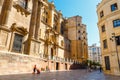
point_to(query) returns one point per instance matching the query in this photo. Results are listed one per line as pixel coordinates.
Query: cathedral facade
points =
(32, 33)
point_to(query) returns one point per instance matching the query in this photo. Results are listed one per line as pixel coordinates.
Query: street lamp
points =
(113, 36)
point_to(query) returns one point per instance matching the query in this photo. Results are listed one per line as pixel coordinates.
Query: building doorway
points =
(52, 53)
(107, 62)
(66, 66)
(57, 66)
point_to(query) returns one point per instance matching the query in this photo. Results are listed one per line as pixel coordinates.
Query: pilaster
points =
(33, 19)
(4, 31)
(31, 35)
(38, 19)
(1, 2)
(6, 8)
(52, 14)
(59, 21)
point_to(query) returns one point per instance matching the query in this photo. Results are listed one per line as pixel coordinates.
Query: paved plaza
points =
(62, 75)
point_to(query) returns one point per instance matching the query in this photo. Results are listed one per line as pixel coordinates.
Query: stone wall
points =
(12, 63)
(15, 63)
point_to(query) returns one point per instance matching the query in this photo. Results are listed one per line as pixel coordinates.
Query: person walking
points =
(38, 71)
(100, 69)
(34, 69)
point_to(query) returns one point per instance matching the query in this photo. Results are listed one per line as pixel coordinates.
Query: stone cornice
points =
(4, 28)
(42, 39)
(19, 29)
(61, 47)
(101, 4)
(36, 40)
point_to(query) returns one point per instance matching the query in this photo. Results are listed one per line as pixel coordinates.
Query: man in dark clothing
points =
(100, 69)
(38, 71)
(34, 69)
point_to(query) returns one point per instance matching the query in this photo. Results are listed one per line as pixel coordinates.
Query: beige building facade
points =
(34, 32)
(109, 28)
(94, 53)
(77, 33)
(30, 33)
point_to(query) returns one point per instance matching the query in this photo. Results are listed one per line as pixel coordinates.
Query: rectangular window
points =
(62, 43)
(62, 28)
(103, 28)
(17, 44)
(78, 31)
(45, 16)
(116, 22)
(105, 44)
(79, 38)
(114, 7)
(69, 47)
(117, 38)
(101, 14)
(24, 3)
(79, 24)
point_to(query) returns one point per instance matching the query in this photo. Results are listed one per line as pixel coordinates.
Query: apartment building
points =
(109, 29)
(94, 53)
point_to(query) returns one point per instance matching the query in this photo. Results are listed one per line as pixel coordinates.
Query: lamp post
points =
(113, 36)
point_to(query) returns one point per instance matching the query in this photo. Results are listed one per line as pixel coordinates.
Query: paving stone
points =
(62, 75)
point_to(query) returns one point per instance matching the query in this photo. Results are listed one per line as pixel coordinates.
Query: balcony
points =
(21, 7)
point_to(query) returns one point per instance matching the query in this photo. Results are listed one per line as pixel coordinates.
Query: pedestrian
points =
(100, 69)
(47, 69)
(34, 69)
(90, 69)
(38, 71)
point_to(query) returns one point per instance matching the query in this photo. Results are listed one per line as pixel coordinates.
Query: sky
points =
(87, 10)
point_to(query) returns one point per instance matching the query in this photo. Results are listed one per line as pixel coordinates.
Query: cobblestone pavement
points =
(62, 75)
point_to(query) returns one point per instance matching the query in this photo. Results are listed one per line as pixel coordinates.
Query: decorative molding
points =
(19, 29)
(4, 28)
(18, 5)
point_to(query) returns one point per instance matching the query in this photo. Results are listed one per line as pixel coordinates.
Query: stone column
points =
(59, 22)
(33, 19)
(32, 26)
(38, 19)
(6, 8)
(52, 15)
